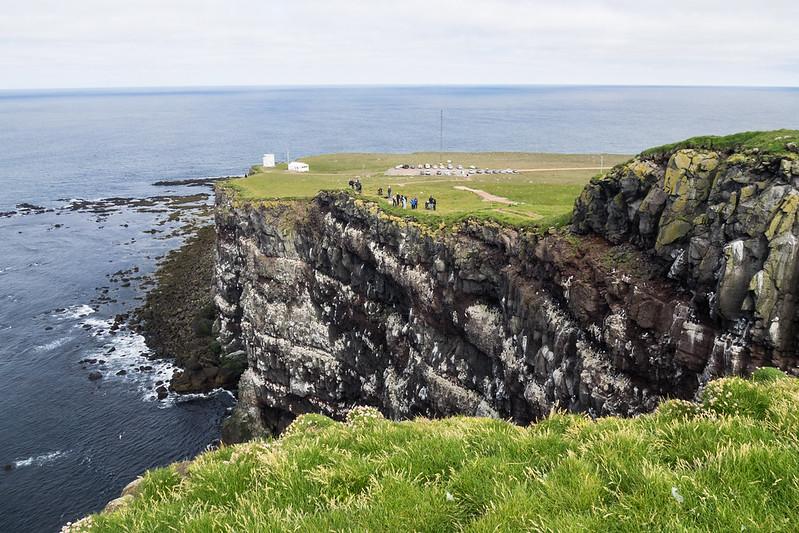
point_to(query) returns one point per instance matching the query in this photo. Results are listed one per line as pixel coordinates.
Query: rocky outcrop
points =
(336, 304)
(723, 224)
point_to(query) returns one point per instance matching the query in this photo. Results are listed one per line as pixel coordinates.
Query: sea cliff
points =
(680, 266)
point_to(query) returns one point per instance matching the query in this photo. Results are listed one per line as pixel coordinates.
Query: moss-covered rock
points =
(721, 216)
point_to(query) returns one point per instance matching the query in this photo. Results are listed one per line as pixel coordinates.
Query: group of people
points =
(356, 185)
(398, 200)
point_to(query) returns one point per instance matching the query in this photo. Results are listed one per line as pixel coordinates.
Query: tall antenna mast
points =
(441, 136)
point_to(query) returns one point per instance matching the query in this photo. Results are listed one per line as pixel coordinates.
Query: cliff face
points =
(687, 270)
(337, 304)
(724, 226)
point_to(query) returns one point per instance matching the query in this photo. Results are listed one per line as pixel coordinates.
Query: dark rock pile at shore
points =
(177, 318)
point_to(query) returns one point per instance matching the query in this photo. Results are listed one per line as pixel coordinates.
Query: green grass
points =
(542, 198)
(772, 142)
(729, 463)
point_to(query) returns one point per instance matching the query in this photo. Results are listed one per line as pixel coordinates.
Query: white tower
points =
(269, 160)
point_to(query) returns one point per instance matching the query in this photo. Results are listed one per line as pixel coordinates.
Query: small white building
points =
(269, 161)
(298, 166)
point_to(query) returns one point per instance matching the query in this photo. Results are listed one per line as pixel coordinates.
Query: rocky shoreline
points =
(178, 315)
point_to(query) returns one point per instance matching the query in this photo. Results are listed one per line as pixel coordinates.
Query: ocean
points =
(70, 264)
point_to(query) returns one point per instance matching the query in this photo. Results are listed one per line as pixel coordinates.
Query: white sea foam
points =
(76, 311)
(70, 203)
(99, 326)
(52, 345)
(126, 350)
(174, 399)
(39, 460)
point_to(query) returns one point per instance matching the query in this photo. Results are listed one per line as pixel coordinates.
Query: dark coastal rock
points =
(177, 319)
(94, 375)
(161, 392)
(192, 182)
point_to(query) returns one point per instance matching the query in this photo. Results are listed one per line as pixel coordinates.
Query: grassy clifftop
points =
(541, 193)
(771, 142)
(728, 463)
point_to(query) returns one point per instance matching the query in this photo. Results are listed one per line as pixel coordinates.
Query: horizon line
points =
(381, 85)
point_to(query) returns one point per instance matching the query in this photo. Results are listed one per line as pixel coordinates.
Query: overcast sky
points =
(137, 43)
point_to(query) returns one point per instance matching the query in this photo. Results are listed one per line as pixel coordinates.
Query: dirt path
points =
(487, 197)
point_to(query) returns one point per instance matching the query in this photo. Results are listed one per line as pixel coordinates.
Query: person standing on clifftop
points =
(388, 195)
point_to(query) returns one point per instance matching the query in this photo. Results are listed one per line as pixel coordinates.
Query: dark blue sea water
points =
(73, 443)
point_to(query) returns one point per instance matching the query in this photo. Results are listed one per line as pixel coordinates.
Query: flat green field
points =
(541, 194)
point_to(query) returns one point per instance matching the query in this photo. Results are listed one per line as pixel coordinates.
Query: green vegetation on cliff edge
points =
(768, 142)
(728, 463)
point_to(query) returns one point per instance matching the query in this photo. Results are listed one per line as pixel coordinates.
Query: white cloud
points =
(51, 43)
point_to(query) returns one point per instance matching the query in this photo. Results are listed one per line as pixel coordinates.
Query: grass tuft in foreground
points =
(729, 463)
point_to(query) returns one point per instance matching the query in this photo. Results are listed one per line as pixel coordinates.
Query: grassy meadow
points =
(727, 463)
(541, 194)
